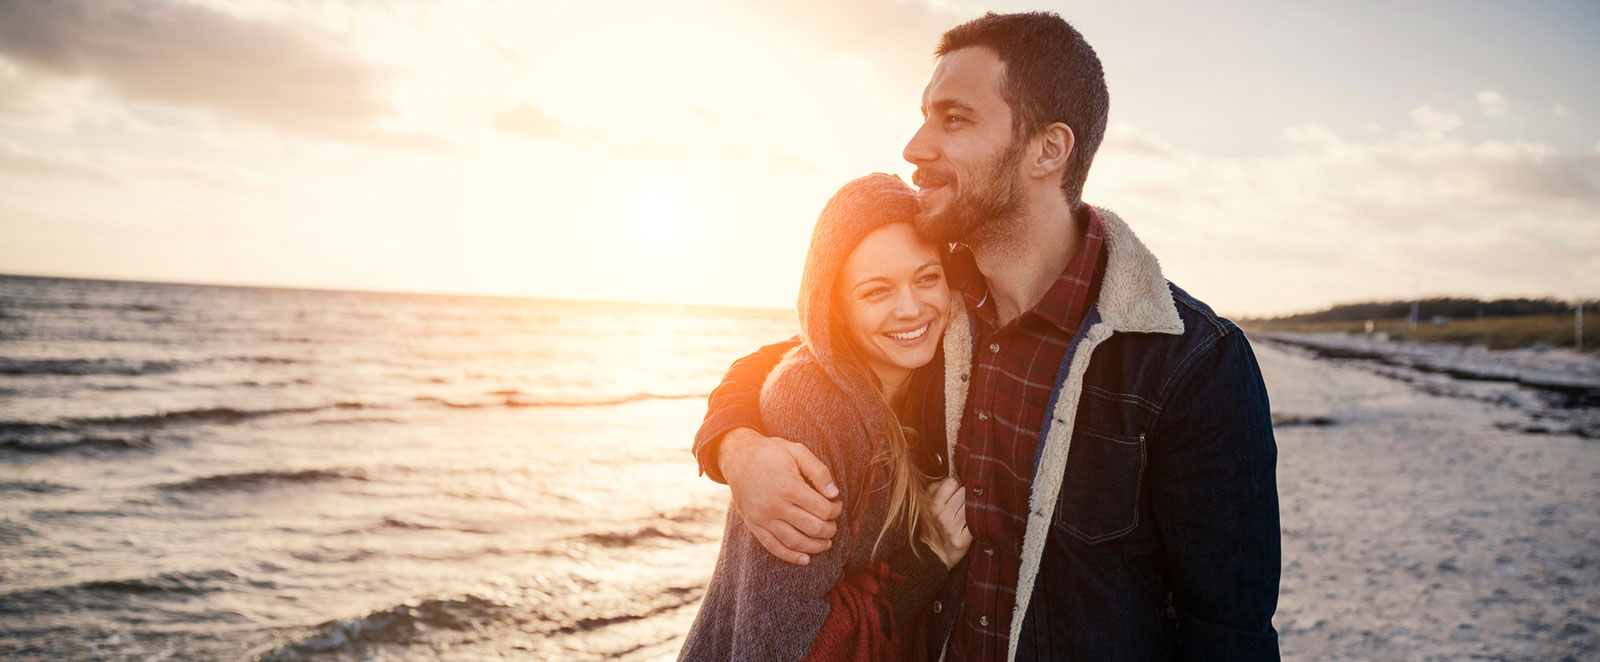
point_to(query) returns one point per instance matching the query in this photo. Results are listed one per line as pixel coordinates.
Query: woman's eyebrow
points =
(867, 280)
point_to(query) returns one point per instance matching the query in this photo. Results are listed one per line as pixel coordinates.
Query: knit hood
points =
(860, 207)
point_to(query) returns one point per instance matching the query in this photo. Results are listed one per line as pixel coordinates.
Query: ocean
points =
(221, 473)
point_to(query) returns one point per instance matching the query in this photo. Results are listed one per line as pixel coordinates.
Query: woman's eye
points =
(875, 293)
(930, 279)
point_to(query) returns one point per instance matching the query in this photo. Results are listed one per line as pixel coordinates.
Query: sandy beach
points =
(1419, 526)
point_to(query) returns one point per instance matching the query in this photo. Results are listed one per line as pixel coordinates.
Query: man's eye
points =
(953, 119)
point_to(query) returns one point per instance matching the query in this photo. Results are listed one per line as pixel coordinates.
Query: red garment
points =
(859, 626)
(1013, 371)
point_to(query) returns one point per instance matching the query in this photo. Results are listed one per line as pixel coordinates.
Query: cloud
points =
(1560, 111)
(1433, 122)
(1359, 218)
(532, 122)
(1494, 104)
(1314, 135)
(286, 76)
(900, 36)
(18, 159)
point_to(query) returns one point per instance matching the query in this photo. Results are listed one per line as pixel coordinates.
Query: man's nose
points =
(920, 149)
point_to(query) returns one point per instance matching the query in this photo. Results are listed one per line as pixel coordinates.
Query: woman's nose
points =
(905, 304)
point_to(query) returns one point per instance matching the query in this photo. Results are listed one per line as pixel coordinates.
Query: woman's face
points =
(894, 301)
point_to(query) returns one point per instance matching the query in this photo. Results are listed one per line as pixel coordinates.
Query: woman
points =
(874, 308)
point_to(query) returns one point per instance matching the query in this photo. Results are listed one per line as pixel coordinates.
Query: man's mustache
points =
(924, 178)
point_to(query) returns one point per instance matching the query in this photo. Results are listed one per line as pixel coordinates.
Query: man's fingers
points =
(814, 471)
(776, 548)
(818, 506)
(809, 525)
(795, 540)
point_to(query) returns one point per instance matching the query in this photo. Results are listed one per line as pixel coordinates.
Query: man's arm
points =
(783, 493)
(1213, 465)
(736, 403)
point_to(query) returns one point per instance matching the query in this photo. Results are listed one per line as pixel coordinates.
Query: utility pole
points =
(1577, 339)
(1415, 309)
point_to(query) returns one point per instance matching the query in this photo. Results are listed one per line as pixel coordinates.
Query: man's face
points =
(965, 153)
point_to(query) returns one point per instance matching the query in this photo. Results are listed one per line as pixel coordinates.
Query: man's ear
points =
(1055, 146)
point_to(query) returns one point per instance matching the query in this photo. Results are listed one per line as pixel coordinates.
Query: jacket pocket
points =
(1100, 489)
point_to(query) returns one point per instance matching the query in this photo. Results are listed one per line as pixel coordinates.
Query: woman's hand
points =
(950, 519)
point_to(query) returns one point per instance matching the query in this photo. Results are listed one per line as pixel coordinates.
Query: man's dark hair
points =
(1052, 75)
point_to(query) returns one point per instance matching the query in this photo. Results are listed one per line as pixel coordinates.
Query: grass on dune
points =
(1495, 332)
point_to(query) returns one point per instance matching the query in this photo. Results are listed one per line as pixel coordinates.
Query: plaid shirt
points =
(1013, 371)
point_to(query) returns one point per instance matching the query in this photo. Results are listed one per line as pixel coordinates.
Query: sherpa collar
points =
(1133, 296)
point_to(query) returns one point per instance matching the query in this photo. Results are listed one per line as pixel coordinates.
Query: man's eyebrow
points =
(944, 105)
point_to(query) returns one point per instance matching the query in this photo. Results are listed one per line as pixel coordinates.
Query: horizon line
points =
(345, 289)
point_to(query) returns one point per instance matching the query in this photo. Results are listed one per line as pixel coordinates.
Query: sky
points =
(1276, 158)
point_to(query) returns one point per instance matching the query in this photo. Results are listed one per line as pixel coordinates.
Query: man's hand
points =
(784, 493)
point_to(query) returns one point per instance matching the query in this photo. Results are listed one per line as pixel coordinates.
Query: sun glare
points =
(657, 217)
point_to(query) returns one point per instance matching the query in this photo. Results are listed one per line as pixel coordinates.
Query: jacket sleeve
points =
(1215, 502)
(736, 403)
(758, 607)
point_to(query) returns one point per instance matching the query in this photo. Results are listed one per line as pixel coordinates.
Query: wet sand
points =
(1419, 526)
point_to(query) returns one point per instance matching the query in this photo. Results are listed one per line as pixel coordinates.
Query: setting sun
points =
(657, 217)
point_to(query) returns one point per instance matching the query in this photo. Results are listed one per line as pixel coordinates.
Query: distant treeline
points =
(1452, 307)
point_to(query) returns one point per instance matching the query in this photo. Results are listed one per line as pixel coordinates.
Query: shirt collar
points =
(1056, 306)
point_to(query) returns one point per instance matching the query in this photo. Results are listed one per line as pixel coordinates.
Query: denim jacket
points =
(1152, 531)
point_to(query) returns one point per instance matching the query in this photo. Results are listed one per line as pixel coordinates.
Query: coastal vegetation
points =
(1497, 324)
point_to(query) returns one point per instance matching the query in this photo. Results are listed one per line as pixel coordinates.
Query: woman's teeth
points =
(909, 335)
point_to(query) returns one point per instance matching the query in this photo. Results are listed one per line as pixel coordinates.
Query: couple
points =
(1079, 467)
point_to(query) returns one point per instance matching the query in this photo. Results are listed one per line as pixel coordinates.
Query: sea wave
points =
(112, 594)
(512, 401)
(86, 445)
(83, 367)
(397, 523)
(34, 486)
(631, 538)
(395, 624)
(258, 480)
(207, 415)
(12, 533)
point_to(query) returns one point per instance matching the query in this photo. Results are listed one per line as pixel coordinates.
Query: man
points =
(1114, 433)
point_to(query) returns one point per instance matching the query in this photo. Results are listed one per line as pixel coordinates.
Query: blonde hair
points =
(909, 502)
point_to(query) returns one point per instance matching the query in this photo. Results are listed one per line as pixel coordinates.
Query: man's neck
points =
(1020, 266)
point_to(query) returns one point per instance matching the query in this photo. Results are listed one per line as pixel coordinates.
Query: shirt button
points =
(994, 348)
(983, 620)
(977, 491)
(937, 606)
(988, 551)
(939, 458)
(965, 377)
(983, 415)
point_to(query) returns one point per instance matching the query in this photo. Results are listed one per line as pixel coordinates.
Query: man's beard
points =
(980, 208)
